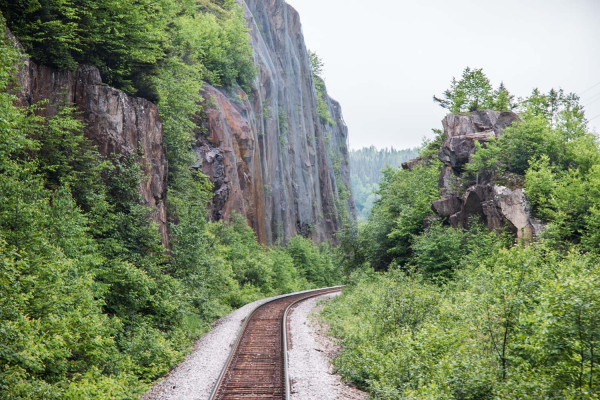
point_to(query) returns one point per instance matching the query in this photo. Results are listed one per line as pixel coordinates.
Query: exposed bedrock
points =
(463, 130)
(116, 122)
(495, 205)
(268, 153)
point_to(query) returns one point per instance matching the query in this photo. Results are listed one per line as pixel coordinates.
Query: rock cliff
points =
(268, 153)
(497, 206)
(115, 121)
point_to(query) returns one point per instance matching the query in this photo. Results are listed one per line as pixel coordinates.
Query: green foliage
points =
(387, 234)
(462, 314)
(475, 92)
(316, 63)
(520, 324)
(504, 101)
(511, 152)
(131, 41)
(314, 264)
(316, 66)
(541, 185)
(553, 106)
(556, 159)
(122, 38)
(255, 271)
(441, 250)
(90, 308)
(217, 42)
(553, 128)
(284, 128)
(398, 215)
(322, 105)
(56, 333)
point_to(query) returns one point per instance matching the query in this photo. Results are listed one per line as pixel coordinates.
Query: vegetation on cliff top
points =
(473, 91)
(469, 314)
(133, 41)
(317, 65)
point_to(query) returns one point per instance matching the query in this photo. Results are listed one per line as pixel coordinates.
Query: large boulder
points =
(495, 205)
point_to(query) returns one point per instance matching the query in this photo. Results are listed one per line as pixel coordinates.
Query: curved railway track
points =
(257, 366)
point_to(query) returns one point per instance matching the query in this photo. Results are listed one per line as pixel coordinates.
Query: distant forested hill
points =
(365, 171)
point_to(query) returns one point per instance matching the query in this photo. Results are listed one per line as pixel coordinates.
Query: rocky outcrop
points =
(410, 164)
(495, 205)
(268, 153)
(463, 130)
(116, 122)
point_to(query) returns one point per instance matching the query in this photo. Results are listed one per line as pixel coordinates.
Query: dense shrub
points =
(441, 250)
(521, 324)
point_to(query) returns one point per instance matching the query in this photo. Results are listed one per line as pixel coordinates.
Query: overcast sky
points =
(385, 59)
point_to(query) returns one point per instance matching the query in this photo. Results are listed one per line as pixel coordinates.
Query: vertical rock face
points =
(122, 124)
(269, 154)
(115, 121)
(498, 206)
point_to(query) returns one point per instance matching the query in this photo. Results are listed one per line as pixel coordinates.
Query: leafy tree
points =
(504, 101)
(316, 63)
(129, 40)
(552, 105)
(404, 203)
(474, 92)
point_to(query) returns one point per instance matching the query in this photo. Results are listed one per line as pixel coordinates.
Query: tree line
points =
(366, 166)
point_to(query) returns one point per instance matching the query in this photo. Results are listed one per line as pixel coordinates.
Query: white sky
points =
(385, 59)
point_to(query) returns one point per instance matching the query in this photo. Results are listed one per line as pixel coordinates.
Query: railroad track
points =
(257, 366)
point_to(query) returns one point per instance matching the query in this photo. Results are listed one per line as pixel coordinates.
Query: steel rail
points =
(309, 294)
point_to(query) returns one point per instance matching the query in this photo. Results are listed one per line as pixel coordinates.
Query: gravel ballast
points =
(195, 377)
(309, 359)
(310, 355)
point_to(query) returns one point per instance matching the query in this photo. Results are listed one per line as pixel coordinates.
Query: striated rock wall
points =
(498, 206)
(268, 153)
(115, 121)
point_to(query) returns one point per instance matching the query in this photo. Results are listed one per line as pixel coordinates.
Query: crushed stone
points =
(310, 356)
(194, 378)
